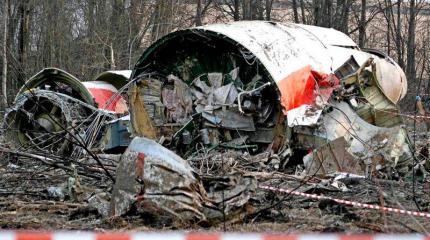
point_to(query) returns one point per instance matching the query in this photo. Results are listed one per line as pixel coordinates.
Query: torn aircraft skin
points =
(54, 108)
(228, 83)
(295, 94)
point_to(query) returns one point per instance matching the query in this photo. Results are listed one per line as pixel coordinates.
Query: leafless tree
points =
(362, 24)
(410, 66)
(295, 13)
(5, 62)
(86, 37)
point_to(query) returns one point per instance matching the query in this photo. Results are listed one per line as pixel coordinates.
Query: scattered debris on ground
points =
(207, 117)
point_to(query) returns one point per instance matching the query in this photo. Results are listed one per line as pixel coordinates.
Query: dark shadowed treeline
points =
(85, 37)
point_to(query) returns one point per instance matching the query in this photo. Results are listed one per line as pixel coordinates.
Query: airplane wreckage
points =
(274, 95)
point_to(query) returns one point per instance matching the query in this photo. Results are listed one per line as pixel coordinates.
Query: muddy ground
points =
(294, 214)
(26, 203)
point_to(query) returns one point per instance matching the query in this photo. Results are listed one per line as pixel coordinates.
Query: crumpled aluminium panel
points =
(160, 183)
(361, 141)
(286, 48)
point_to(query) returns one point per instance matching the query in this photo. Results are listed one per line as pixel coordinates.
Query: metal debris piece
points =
(117, 78)
(378, 108)
(349, 67)
(101, 202)
(159, 181)
(106, 96)
(43, 119)
(117, 135)
(139, 117)
(230, 119)
(306, 87)
(215, 79)
(56, 193)
(225, 95)
(305, 115)
(369, 145)
(331, 158)
(54, 110)
(231, 195)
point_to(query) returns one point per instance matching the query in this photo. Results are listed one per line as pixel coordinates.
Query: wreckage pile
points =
(216, 117)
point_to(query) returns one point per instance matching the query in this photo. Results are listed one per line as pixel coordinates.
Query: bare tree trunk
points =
(91, 19)
(410, 66)
(327, 13)
(23, 36)
(236, 14)
(112, 58)
(399, 46)
(387, 12)
(253, 9)
(340, 18)
(23, 30)
(246, 9)
(198, 19)
(323, 12)
(391, 24)
(317, 11)
(259, 10)
(163, 19)
(302, 9)
(295, 13)
(117, 34)
(4, 77)
(48, 32)
(269, 4)
(362, 27)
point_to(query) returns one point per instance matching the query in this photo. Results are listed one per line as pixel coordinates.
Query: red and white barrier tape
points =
(347, 202)
(195, 236)
(422, 117)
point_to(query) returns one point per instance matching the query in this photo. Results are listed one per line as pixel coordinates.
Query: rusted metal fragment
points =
(142, 124)
(150, 93)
